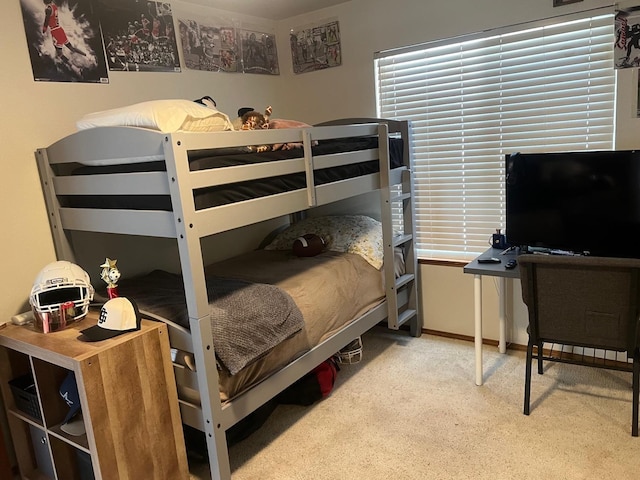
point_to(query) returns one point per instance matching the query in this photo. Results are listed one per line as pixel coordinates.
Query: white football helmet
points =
(60, 296)
(351, 353)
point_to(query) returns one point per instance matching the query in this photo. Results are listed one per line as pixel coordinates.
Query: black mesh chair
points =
(581, 301)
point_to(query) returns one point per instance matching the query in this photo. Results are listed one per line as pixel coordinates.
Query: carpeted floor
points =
(411, 410)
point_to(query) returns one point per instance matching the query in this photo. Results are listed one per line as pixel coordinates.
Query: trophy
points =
(110, 274)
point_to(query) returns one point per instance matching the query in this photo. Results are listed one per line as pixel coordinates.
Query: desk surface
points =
(494, 269)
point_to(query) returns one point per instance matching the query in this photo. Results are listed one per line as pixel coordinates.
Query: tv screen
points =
(581, 202)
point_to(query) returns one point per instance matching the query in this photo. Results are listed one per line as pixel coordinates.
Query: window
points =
(529, 88)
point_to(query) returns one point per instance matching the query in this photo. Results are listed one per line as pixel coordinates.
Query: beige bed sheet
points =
(331, 290)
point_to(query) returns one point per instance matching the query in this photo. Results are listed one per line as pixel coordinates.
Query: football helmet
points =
(351, 353)
(60, 296)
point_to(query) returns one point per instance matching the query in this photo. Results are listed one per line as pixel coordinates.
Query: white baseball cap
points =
(117, 316)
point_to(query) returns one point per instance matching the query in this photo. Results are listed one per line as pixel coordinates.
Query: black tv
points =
(580, 202)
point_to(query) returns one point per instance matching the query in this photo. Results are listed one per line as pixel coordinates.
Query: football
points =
(308, 245)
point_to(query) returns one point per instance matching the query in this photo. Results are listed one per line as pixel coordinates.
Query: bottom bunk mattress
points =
(329, 291)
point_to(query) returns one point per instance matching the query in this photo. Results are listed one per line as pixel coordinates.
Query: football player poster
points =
(63, 37)
(207, 47)
(316, 47)
(139, 35)
(259, 53)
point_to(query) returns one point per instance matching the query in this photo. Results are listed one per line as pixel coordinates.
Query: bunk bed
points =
(185, 186)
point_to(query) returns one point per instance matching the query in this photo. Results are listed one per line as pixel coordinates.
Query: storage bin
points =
(25, 395)
(85, 468)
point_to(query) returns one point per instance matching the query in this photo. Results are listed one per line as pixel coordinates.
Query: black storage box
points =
(84, 465)
(25, 395)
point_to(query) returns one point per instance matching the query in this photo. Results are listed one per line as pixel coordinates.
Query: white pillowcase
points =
(167, 116)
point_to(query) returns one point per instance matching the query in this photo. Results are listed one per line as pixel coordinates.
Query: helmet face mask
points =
(60, 296)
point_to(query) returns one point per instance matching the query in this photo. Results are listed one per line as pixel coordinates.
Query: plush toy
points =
(237, 123)
(252, 120)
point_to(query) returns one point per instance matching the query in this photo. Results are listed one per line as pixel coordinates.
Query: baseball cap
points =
(75, 426)
(117, 316)
(69, 392)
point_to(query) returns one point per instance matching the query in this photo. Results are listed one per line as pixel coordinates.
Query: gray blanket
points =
(247, 319)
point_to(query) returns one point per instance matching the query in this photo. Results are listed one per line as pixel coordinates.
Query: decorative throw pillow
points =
(358, 234)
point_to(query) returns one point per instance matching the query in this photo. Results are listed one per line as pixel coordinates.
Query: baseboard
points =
(469, 338)
(548, 354)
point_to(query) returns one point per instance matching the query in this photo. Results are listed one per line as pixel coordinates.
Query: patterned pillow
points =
(344, 233)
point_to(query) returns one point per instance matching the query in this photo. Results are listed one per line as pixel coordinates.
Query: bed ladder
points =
(398, 223)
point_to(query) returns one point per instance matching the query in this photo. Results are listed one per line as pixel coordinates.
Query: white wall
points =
(447, 293)
(37, 114)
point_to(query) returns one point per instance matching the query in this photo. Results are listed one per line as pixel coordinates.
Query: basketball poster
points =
(64, 41)
(139, 35)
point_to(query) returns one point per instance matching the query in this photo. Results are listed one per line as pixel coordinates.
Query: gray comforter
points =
(248, 319)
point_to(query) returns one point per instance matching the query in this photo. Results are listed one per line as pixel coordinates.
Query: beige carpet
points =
(411, 410)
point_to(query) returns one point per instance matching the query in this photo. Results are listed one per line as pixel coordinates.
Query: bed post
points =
(192, 262)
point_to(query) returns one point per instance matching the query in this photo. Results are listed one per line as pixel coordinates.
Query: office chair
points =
(582, 301)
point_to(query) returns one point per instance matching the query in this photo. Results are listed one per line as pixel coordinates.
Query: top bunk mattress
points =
(211, 159)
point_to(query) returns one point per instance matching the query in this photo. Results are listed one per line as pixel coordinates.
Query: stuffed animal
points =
(253, 120)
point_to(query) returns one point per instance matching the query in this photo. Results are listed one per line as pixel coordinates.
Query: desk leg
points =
(502, 301)
(477, 306)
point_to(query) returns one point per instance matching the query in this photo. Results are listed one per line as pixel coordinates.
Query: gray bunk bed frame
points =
(188, 226)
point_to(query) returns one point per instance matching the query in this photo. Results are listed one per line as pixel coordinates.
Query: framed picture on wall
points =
(560, 3)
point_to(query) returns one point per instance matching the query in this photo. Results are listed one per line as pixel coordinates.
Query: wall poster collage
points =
(219, 46)
(82, 40)
(316, 47)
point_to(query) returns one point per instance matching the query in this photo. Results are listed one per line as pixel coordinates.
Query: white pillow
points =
(358, 234)
(166, 116)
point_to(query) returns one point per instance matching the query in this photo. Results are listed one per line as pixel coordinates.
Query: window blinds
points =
(544, 88)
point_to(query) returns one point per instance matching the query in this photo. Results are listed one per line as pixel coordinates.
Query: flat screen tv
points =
(580, 202)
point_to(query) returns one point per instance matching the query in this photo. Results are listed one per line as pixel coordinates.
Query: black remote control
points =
(489, 260)
(511, 264)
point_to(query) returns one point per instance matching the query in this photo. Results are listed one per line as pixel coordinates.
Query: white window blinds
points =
(544, 88)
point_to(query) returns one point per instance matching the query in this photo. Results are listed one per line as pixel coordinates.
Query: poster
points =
(139, 35)
(638, 98)
(627, 31)
(207, 47)
(259, 53)
(64, 41)
(316, 47)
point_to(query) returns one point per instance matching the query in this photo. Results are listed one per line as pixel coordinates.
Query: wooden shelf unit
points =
(127, 394)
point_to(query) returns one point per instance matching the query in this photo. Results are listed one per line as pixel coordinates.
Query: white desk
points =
(494, 270)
